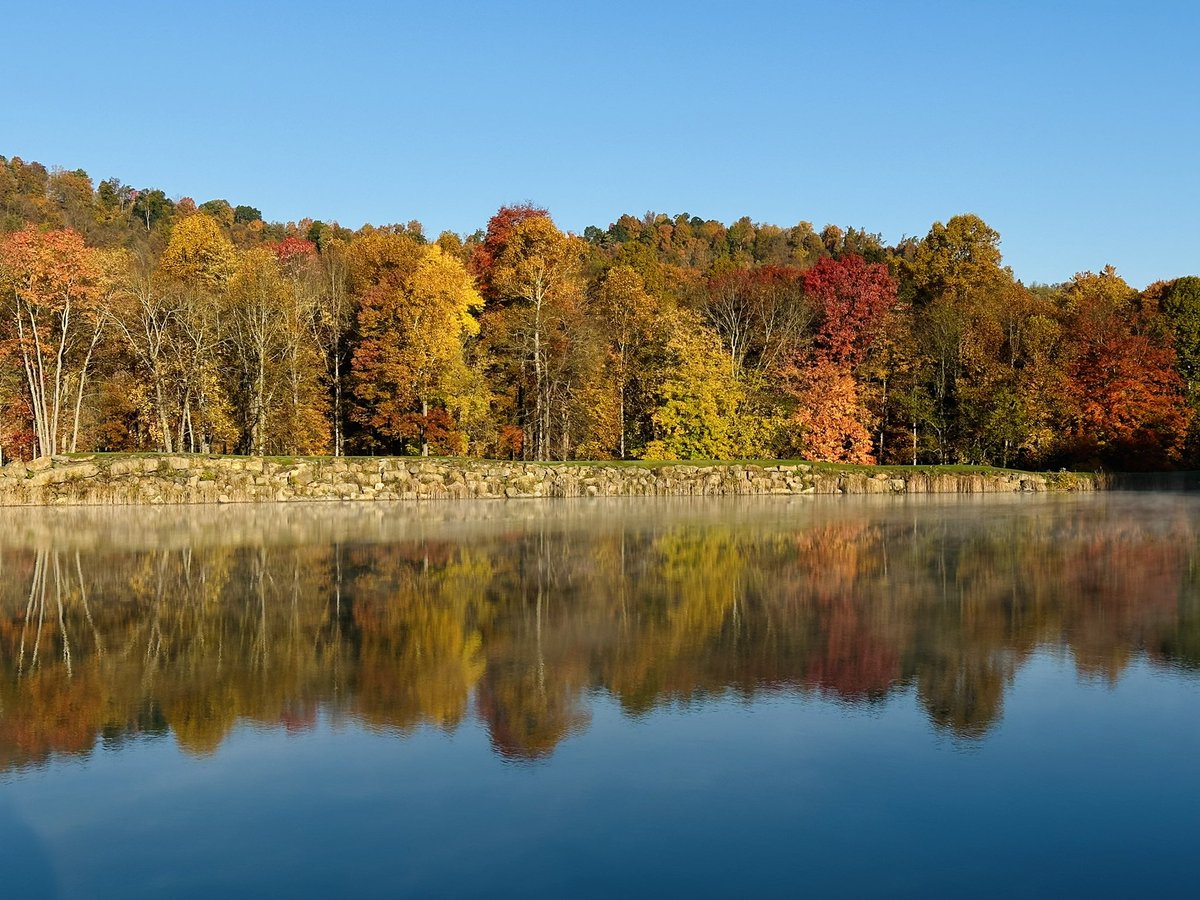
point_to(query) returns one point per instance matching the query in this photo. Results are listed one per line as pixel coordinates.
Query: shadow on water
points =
(118, 625)
(1155, 481)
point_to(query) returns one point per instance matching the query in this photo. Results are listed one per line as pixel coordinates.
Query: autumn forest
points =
(134, 322)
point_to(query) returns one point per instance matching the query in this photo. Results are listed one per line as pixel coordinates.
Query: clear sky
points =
(1072, 128)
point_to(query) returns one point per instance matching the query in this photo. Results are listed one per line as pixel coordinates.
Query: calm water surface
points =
(772, 697)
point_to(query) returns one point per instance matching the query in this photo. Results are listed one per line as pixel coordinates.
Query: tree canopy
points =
(134, 321)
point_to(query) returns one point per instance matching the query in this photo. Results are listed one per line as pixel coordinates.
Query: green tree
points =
(152, 207)
(1180, 304)
(244, 215)
(699, 402)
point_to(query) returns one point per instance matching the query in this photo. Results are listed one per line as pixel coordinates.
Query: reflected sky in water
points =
(844, 696)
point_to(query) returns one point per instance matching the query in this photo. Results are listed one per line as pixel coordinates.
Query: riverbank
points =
(181, 479)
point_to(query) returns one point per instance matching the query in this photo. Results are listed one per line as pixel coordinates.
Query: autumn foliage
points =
(830, 415)
(133, 322)
(1125, 392)
(852, 297)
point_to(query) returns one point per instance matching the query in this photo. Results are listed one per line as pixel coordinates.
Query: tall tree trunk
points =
(160, 404)
(83, 373)
(295, 373)
(883, 408)
(337, 402)
(36, 404)
(424, 426)
(35, 373)
(256, 434)
(566, 429)
(59, 375)
(621, 416)
(538, 398)
(185, 418)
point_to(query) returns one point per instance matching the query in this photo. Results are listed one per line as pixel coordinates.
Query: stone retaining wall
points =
(100, 480)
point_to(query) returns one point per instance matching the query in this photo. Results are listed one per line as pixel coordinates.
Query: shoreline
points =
(181, 479)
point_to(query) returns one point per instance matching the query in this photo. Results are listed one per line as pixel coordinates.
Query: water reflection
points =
(116, 624)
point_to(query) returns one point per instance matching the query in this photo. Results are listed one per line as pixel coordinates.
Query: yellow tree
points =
(698, 412)
(258, 316)
(626, 316)
(333, 318)
(409, 370)
(956, 259)
(198, 250)
(146, 315)
(196, 266)
(441, 316)
(536, 277)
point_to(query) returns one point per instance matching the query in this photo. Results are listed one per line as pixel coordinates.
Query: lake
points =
(825, 696)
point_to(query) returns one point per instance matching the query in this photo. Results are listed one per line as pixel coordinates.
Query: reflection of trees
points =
(418, 650)
(400, 633)
(536, 645)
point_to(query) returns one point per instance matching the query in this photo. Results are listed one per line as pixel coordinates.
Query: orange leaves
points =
(500, 230)
(50, 269)
(416, 310)
(1129, 399)
(852, 297)
(1122, 380)
(511, 441)
(830, 414)
(55, 318)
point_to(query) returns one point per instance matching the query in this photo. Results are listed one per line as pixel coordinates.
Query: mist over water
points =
(598, 696)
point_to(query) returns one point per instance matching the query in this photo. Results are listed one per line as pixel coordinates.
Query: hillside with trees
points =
(131, 321)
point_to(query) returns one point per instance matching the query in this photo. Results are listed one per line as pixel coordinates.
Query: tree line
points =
(134, 322)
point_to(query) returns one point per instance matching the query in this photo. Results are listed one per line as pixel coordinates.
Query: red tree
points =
(1126, 397)
(1126, 394)
(852, 296)
(499, 229)
(293, 248)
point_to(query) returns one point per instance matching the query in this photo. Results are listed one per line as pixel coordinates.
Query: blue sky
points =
(1072, 128)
